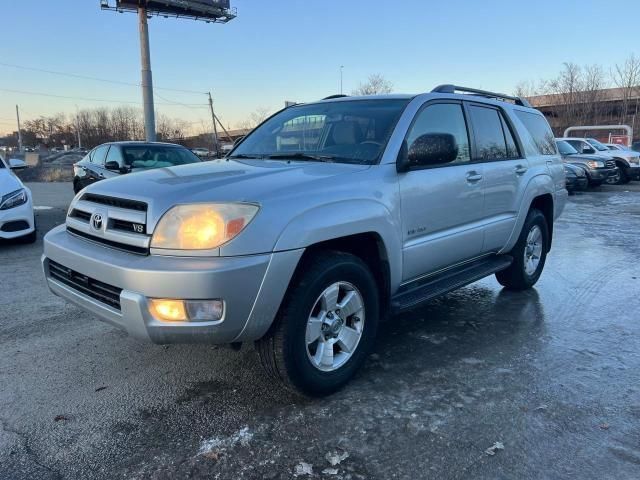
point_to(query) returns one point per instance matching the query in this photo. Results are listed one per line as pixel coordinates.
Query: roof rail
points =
(483, 93)
(339, 95)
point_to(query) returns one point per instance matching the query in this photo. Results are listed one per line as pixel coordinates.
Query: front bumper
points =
(251, 287)
(577, 183)
(633, 172)
(601, 174)
(18, 221)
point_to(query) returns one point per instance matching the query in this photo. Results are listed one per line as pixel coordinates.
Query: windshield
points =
(565, 148)
(156, 156)
(344, 131)
(597, 145)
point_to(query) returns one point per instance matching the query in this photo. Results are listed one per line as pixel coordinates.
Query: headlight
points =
(13, 199)
(202, 226)
(595, 164)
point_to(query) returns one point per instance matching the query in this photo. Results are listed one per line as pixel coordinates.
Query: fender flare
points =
(341, 219)
(541, 184)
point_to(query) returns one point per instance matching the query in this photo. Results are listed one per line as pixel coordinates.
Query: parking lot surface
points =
(482, 383)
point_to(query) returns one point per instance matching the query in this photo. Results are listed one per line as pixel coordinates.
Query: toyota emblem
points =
(96, 221)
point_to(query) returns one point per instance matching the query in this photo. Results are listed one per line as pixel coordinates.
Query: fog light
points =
(204, 310)
(168, 310)
(186, 310)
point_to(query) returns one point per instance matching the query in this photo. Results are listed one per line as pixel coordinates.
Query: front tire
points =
(326, 325)
(529, 254)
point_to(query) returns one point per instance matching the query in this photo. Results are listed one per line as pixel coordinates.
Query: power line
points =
(24, 92)
(85, 77)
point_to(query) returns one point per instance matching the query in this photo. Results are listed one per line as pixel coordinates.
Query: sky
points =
(293, 49)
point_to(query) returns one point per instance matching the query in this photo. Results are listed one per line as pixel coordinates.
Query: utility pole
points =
(78, 130)
(341, 69)
(147, 81)
(215, 127)
(19, 130)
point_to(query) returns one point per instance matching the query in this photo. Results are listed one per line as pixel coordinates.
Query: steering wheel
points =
(371, 142)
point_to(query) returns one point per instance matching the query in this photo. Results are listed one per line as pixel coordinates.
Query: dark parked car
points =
(599, 169)
(576, 178)
(112, 159)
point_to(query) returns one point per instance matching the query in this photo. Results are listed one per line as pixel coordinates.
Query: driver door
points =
(442, 205)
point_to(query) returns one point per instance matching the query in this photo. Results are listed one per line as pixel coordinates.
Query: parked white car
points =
(16, 206)
(201, 152)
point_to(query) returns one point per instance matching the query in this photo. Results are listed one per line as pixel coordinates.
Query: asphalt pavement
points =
(480, 384)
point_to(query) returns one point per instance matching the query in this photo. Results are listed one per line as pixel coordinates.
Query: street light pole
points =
(147, 81)
(341, 68)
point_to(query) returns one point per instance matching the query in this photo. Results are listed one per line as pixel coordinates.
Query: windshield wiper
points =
(301, 156)
(243, 155)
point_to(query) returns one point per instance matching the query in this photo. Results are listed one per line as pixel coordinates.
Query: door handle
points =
(521, 169)
(473, 177)
(549, 162)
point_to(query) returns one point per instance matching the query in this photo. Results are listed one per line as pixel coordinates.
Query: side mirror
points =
(15, 164)
(588, 150)
(112, 165)
(427, 150)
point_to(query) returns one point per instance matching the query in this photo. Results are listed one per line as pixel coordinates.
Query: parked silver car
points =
(321, 221)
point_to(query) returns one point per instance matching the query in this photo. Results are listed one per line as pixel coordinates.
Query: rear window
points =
(540, 132)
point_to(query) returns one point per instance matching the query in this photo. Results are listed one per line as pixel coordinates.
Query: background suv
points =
(628, 163)
(113, 159)
(599, 168)
(322, 220)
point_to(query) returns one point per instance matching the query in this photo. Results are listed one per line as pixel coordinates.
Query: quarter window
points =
(540, 132)
(446, 118)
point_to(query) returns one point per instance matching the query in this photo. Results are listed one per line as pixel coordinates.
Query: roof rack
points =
(483, 93)
(339, 95)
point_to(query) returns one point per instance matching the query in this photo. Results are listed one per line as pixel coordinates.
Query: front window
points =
(565, 148)
(156, 156)
(597, 145)
(353, 131)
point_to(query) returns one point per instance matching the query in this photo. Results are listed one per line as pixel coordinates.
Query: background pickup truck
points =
(324, 219)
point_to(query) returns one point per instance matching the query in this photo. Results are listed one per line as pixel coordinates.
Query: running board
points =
(432, 287)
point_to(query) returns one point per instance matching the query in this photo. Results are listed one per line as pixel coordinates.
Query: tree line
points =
(579, 92)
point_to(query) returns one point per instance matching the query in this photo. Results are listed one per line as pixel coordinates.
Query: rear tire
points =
(529, 254)
(333, 283)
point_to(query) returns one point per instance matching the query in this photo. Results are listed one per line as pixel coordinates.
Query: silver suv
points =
(323, 220)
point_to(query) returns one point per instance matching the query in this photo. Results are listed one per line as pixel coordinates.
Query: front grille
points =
(80, 214)
(109, 243)
(103, 292)
(610, 164)
(128, 226)
(115, 202)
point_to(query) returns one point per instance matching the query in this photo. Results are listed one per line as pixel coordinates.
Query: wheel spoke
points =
(351, 304)
(348, 339)
(314, 329)
(324, 354)
(330, 298)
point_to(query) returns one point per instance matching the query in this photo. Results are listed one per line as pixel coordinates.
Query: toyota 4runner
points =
(324, 219)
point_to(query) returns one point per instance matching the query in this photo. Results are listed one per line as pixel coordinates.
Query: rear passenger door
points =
(442, 204)
(505, 172)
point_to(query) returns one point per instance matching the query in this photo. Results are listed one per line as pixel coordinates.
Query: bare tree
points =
(627, 77)
(375, 84)
(255, 118)
(525, 89)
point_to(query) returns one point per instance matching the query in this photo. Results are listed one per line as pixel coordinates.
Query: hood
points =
(220, 181)
(8, 182)
(583, 157)
(624, 154)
